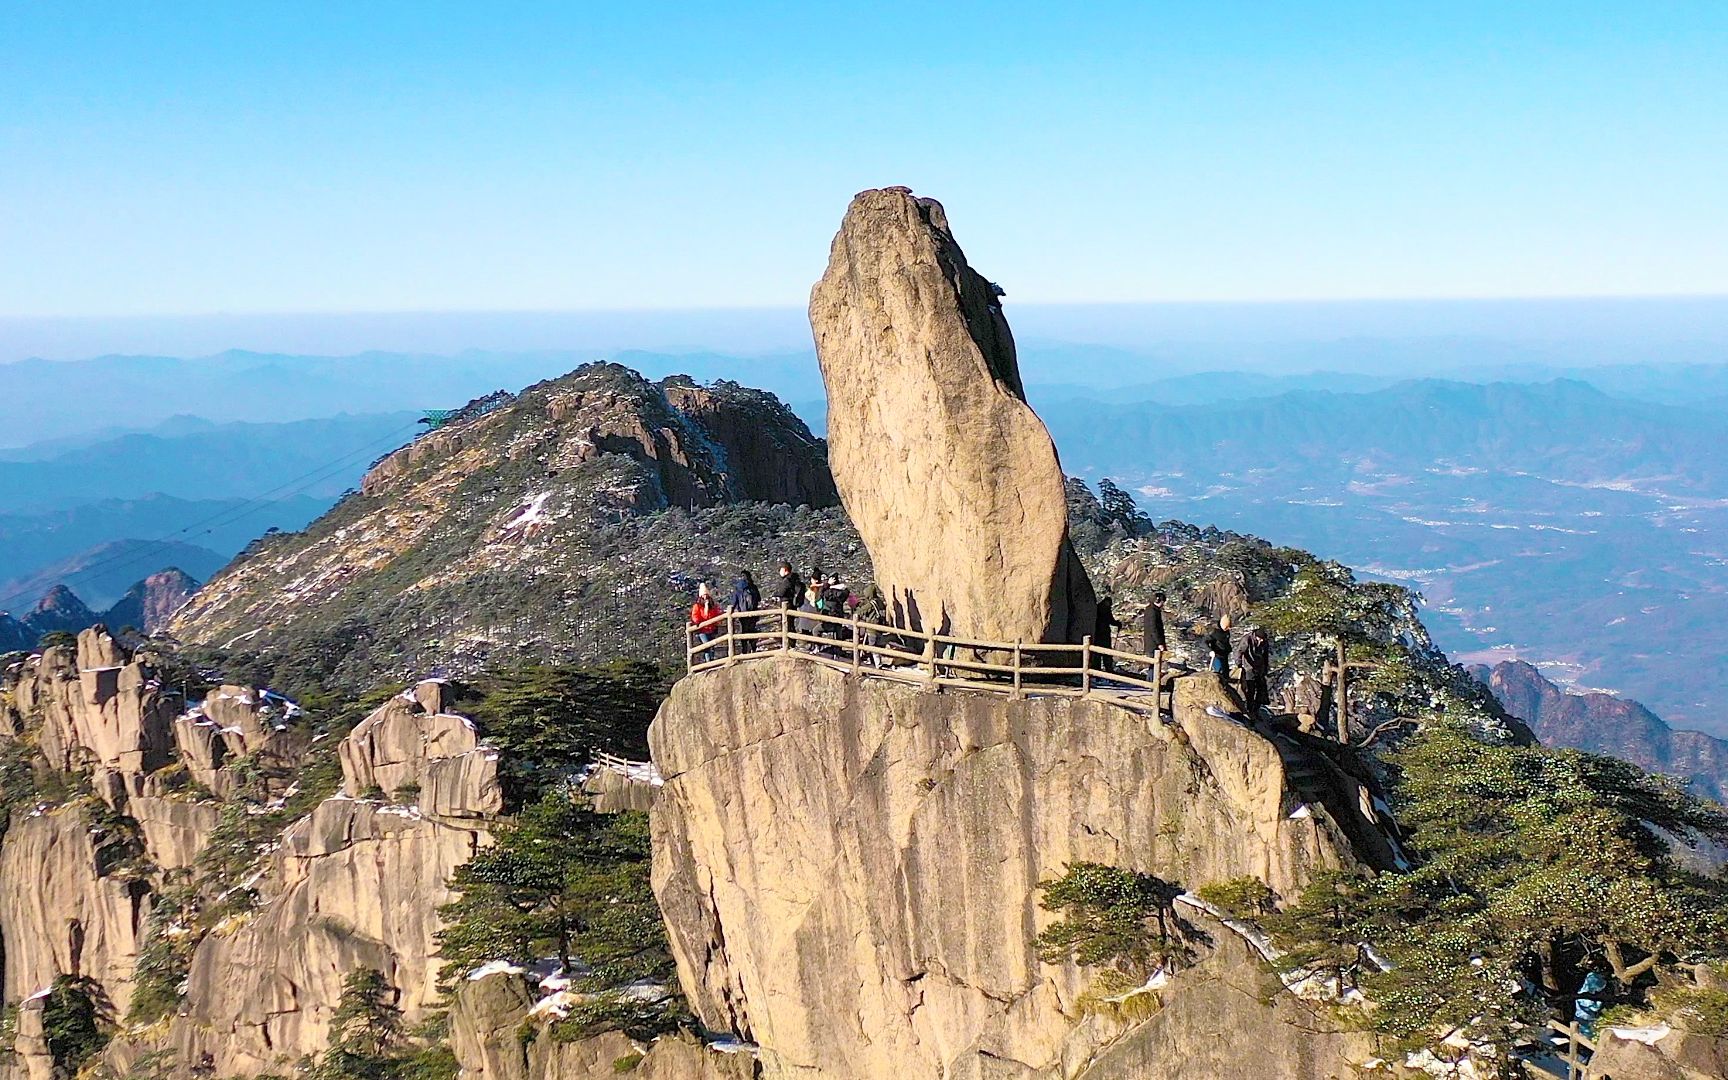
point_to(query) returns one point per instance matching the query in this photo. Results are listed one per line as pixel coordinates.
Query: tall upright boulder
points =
(950, 476)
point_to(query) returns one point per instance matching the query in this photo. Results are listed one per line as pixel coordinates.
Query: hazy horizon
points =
(1582, 331)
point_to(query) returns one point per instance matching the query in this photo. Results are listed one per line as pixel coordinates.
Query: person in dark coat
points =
(790, 591)
(1102, 626)
(788, 594)
(1254, 656)
(1217, 642)
(1152, 625)
(745, 597)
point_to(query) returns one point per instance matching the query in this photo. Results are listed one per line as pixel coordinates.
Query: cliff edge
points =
(849, 869)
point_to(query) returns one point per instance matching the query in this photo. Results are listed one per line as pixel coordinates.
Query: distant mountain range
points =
(96, 512)
(51, 399)
(1546, 521)
(193, 458)
(101, 575)
(147, 606)
(1609, 725)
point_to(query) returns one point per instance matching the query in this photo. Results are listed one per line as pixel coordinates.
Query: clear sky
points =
(252, 156)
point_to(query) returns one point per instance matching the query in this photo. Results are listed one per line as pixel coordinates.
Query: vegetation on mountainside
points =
(1533, 867)
(72, 1023)
(548, 721)
(607, 570)
(1113, 918)
(564, 881)
(367, 1040)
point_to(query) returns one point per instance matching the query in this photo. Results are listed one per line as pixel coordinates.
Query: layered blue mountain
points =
(1547, 521)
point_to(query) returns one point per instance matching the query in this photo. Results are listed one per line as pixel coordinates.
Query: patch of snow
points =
(495, 967)
(556, 1005)
(1301, 813)
(40, 994)
(1649, 1036)
(731, 1044)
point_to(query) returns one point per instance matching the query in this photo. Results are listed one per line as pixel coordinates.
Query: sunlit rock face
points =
(950, 476)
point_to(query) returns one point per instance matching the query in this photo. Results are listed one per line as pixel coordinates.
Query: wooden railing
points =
(1576, 1052)
(929, 659)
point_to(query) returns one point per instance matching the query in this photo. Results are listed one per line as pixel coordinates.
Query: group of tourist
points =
(795, 598)
(798, 599)
(1250, 657)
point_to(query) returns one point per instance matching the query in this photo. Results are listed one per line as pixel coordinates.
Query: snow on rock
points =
(496, 967)
(1649, 1036)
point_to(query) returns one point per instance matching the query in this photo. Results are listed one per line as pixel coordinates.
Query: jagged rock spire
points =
(949, 475)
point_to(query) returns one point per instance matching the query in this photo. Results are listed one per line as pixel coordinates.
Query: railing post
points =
(1016, 667)
(731, 639)
(1343, 695)
(785, 629)
(689, 649)
(1572, 1051)
(930, 656)
(1086, 664)
(857, 655)
(1158, 680)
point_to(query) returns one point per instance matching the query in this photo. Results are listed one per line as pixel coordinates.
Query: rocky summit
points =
(569, 521)
(950, 476)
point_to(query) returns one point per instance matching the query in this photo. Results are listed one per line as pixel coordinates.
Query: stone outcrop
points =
(950, 476)
(486, 1021)
(355, 884)
(79, 914)
(410, 743)
(1659, 1054)
(768, 453)
(96, 706)
(235, 722)
(849, 869)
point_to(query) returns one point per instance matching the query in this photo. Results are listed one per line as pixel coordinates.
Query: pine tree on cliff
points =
(1533, 866)
(564, 881)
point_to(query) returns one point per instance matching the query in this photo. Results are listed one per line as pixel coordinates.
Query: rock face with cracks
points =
(849, 869)
(950, 476)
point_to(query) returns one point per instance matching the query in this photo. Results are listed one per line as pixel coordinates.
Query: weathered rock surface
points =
(355, 884)
(950, 476)
(1214, 1022)
(96, 707)
(486, 1018)
(67, 909)
(1677, 1055)
(411, 743)
(768, 453)
(849, 869)
(234, 722)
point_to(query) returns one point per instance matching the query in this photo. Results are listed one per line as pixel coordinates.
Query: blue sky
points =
(242, 157)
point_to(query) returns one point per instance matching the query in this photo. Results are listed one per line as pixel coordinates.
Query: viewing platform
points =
(935, 660)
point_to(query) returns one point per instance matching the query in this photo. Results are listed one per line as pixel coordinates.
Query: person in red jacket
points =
(705, 617)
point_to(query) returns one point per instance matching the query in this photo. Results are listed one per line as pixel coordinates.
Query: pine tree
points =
(1112, 917)
(363, 1031)
(564, 881)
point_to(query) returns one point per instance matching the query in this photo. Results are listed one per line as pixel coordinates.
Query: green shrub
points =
(1112, 917)
(72, 1026)
(627, 1063)
(1702, 1010)
(1239, 898)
